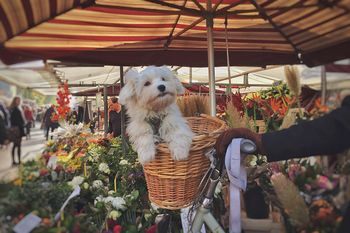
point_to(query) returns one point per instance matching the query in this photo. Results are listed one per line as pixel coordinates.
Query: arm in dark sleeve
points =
(329, 134)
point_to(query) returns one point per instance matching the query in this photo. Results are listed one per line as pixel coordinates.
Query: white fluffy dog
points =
(149, 97)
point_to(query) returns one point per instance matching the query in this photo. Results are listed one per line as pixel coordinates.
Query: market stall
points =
(107, 182)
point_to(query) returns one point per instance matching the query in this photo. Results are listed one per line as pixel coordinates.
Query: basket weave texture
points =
(174, 184)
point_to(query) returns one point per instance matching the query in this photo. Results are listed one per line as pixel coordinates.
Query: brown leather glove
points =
(226, 137)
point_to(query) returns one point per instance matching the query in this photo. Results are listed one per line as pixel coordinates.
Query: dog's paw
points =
(179, 152)
(146, 156)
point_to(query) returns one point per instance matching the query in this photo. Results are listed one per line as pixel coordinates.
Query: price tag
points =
(27, 224)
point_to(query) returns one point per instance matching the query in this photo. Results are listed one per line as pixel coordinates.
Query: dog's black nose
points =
(161, 88)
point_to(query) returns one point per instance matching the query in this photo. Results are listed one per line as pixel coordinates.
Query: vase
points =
(255, 204)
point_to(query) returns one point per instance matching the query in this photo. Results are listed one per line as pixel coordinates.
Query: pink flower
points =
(308, 187)
(152, 229)
(117, 229)
(275, 167)
(293, 171)
(324, 182)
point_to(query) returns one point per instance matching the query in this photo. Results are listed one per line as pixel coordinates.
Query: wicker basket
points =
(173, 184)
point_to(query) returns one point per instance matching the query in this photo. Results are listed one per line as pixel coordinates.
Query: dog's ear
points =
(179, 87)
(128, 91)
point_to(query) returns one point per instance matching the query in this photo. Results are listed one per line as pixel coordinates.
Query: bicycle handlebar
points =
(248, 146)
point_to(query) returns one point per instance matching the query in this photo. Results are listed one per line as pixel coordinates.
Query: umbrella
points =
(174, 32)
(177, 32)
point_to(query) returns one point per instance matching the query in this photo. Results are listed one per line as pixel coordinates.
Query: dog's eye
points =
(147, 83)
(163, 79)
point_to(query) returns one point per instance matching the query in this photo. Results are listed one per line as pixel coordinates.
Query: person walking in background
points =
(3, 135)
(28, 114)
(47, 122)
(17, 128)
(93, 122)
(114, 125)
(34, 114)
(5, 114)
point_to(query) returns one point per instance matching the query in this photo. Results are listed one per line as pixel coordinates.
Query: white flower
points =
(70, 130)
(117, 202)
(86, 185)
(154, 206)
(77, 180)
(123, 162)
(99, 199)
(97, 184)
(253, 161)
(111, 192)
(114, 214)
(103, 167)
(35, 173)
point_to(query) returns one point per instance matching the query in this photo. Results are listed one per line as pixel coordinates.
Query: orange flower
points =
(275, 105)
(80, 154)
(289, 101)
(256, 97)
(46, 221)
(18, 182)
(283, 110)
(321, 107)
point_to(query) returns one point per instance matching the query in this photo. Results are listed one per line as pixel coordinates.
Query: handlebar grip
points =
(248, 146)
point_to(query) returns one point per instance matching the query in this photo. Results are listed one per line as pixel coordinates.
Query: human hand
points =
(226, 137)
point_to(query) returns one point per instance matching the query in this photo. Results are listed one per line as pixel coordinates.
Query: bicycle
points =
(204, 201)
(203, 213)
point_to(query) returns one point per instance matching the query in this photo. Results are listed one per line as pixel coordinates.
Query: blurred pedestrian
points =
(48, 123)
(28, 114)
(5, 114)
(3, 134)
(93, 122)
(17, 128)
(114, 126)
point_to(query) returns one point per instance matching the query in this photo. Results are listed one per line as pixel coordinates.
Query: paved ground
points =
(30, 149)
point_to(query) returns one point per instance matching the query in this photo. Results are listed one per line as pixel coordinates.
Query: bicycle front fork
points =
(203, 214)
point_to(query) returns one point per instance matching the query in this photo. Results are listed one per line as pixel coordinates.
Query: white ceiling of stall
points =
(44, 77)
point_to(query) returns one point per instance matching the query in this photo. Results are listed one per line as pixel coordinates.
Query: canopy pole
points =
(324, 159)
(228, 57)
(123, 119)
(211, 68)
(323, 85)
(190, 81)
(105, 108)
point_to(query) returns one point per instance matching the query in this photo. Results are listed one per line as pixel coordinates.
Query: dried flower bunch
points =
(192, 105)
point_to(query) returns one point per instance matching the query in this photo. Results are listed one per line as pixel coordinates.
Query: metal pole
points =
(190, 80)
(324, 160)
(105, 108)
(245, 80)
(123, 119)
(211, 68)
(323, 85)
(228, 58)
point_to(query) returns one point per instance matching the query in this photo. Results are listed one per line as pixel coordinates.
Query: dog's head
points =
(154, 88)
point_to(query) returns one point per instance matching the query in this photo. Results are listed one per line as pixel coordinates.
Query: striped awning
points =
(173, 32)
